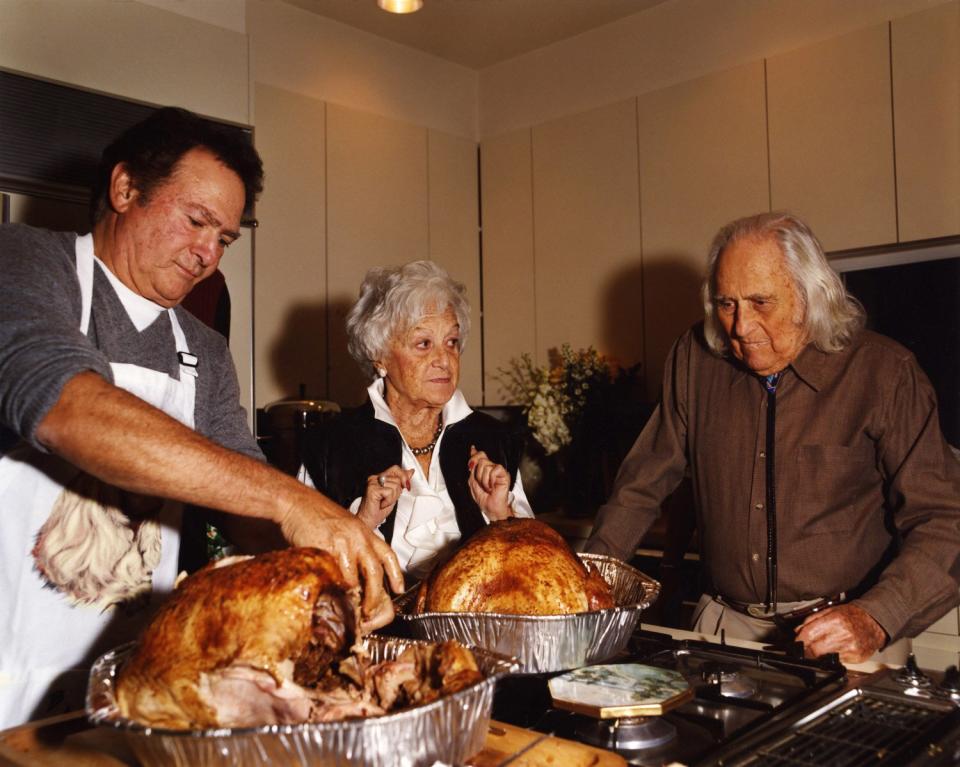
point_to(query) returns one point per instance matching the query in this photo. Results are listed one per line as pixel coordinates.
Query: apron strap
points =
(84, 251)
(188, 361)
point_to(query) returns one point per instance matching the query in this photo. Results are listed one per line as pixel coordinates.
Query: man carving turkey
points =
(112, 398)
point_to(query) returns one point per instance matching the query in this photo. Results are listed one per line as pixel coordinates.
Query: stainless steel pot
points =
(284, 424)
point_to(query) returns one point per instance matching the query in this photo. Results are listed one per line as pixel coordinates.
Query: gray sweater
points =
(41, 346)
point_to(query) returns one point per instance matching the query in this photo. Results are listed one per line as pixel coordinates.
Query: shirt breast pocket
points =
(833, 481)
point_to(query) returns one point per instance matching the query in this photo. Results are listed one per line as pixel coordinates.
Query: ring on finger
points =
(382, 480)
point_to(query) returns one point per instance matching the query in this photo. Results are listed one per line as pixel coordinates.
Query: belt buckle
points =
(758, 611)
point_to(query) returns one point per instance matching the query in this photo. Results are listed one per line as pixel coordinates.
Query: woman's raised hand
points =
(381, 495)
(489, 485)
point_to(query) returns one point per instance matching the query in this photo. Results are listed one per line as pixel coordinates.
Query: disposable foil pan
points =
(545, 643)
(446, 731)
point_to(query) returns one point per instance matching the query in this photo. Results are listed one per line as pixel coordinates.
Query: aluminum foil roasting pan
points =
(447, 731)
(545, 643)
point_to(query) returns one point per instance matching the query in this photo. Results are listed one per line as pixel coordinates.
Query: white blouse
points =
(426, 522)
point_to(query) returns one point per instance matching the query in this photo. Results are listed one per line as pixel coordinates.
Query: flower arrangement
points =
(583, 412)
(556, 397)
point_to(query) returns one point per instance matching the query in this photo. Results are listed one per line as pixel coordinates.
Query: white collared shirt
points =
(142, 311)
(426, 522)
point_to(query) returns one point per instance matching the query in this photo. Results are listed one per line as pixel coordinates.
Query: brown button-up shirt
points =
(867, 490)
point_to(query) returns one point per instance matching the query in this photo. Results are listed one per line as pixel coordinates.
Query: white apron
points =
(47, 638)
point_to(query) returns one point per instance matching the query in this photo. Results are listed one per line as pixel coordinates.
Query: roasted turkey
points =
(517, 567)
(253, 641)
(238, 642)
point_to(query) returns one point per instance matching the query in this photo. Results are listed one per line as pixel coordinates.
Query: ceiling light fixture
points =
(400, 6)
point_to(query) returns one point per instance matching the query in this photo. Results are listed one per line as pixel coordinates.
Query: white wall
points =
(229, 14)
(305, 53)
(670, 43)
(131, 50)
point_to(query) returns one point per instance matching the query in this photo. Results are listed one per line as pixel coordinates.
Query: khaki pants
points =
(711, 616)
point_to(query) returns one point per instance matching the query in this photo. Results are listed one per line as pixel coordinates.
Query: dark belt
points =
(788, 618)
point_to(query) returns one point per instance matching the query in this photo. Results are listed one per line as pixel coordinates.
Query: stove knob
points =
(950, 685)
(911, 675)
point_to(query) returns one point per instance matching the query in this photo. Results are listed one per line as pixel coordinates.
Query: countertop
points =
(71, 740)
(867, 667)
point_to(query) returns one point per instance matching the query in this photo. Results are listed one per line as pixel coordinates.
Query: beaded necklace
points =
(418, 451)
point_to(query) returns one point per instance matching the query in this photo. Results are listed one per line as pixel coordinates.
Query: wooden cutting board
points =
(70, 740)
(64, 740)
(526, 748)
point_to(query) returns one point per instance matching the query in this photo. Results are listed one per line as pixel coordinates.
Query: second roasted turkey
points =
(516, 567)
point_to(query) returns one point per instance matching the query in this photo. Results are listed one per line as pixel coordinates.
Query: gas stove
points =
(759, 707)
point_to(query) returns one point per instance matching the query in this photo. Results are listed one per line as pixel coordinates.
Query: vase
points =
(577, 496)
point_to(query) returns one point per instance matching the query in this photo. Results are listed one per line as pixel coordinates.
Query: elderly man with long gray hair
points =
(415, 463)
(827, 498)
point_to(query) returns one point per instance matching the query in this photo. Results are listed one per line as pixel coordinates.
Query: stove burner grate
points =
(862, 730)
(629, 733)
(728, 680)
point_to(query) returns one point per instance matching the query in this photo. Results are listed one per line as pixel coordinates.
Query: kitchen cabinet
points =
(925, 56)
(831, 138)
(586, 214)
(948, 624)
(703, 162)
(936, 651)
(509, 323)
(939, 645)
(364, 191)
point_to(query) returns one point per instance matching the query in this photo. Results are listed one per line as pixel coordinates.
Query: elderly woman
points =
(415, 463)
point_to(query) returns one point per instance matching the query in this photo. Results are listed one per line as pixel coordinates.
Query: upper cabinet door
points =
(586, 214)
(509, 313)
(454, 243)
(703, 162)
(377, 215)
(926, 110)
(289, 278)
(831, 138)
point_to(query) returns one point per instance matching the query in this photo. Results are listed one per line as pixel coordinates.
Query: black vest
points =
(345, 451)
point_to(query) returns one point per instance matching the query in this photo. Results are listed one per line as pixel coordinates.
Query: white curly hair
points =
(392, 299)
